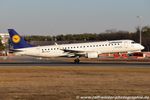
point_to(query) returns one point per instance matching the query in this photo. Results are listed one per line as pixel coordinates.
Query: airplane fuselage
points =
(89, 50)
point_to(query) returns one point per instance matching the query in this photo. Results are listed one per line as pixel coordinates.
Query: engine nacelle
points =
(92, 55)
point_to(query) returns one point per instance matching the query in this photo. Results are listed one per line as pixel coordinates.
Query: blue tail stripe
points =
(16, 40)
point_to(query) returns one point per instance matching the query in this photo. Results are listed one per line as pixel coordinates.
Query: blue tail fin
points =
(16, 40)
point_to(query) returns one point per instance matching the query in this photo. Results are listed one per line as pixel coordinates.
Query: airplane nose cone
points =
(142, 47)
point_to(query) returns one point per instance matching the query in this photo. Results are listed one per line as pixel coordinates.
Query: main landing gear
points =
(77, 61)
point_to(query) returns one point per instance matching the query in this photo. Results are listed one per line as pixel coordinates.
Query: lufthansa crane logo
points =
(16, 38)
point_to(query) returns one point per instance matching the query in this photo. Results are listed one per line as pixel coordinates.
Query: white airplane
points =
(89, 50)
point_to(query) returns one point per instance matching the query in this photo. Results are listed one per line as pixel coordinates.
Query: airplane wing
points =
(73, 51)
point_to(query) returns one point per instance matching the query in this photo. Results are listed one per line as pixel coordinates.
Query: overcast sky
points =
(52, 17)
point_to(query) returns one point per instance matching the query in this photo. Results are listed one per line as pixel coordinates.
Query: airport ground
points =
(68, 81)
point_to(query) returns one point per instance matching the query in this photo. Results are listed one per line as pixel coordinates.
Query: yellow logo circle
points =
(16, 38)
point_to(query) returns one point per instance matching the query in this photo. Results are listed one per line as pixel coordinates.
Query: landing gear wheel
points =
(77, 61)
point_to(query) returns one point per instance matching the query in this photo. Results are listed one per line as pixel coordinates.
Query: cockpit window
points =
(133, 42)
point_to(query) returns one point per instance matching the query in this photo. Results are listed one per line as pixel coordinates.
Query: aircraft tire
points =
(77, 61)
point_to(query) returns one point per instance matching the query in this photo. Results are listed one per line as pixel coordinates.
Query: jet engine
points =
(92, 55)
